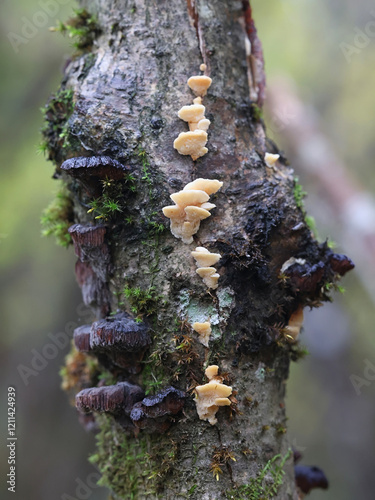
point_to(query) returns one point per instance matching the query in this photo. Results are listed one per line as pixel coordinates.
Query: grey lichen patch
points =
(260, 373)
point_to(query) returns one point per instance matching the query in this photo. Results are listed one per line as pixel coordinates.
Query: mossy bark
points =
(126, 102)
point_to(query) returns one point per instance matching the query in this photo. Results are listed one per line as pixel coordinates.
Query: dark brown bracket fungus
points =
(155, 413)
(310, 477)
(81, 336)
(88, 238)
(122, 339)
(116, 399)
(88, 170)
(95, 291)
(90, 246)
(340, 264)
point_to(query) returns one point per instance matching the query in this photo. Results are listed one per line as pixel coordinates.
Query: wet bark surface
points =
(127, 92)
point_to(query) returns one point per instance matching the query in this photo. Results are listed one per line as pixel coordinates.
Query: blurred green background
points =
(328, 421)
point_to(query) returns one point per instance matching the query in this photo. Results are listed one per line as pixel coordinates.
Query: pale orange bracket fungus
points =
(293, 328)
(271, 159)
(199, 84)
(194, 142)
(210, 396)
(205, 260)
(191, 206)
(204, 331)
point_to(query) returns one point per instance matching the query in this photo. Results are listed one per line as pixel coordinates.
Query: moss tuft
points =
(131, 466)
(82, 29)
(58, 217)
(55, 133)
(259, 488)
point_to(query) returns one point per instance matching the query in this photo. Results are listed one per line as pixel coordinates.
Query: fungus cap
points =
(204, 331)
(204, 272)
(196, 213)
(271, 159)
(209, 186)
(173, 212)
(211, 371)
(191, 197)
(199, 84)
(192, 143)
(204, 258)
(192, 113)
(293, 328)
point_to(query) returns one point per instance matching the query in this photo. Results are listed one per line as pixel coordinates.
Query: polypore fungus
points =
(90, 170)
(191, 207)
(293, 328)
(192, 143)
(271, 159)
(114, 399)
(199, 84)
(310, 477)
(155, 413)
(205, 259)
(121, 339)
(212, 395)
(204, 331)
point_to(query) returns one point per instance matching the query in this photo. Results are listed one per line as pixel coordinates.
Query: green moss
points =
(82, 29)
(55, 133)
(132, 466)
(297, 352)
(112, 200)
(143, 302)
(299, 193)
(258, 488)
(58, 217)
(257, 112)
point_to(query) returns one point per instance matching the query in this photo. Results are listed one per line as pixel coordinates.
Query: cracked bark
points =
(127, 93)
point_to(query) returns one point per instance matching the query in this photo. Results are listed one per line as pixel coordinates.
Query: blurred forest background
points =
(315, 89)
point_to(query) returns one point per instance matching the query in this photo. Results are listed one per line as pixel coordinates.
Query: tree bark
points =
(127, 91)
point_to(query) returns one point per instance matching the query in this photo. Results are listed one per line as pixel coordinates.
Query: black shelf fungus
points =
(89, 170)
(116, 399)
(155, 413)
(310, 477)
(121, 339)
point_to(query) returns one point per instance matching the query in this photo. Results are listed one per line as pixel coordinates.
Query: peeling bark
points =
(127, 93)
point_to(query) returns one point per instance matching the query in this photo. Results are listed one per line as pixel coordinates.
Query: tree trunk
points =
(127, 89)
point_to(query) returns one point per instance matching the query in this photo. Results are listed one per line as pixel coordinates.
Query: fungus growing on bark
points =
(205, 259)
(340, 264)
(194, 116)
(191, 207)
(271, 159)
(81, 336)
(121, 339)
(212, 395)
(155, 413)
(203, 67)
(192, 143)
(310, 477)
(293, 328)
(209, 276)
(204, 331)
(116, 399)
(90, 169)
(200, 83)
(89, 242)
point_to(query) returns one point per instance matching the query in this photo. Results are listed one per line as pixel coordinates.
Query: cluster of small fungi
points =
(194, 142)
(191, 206)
